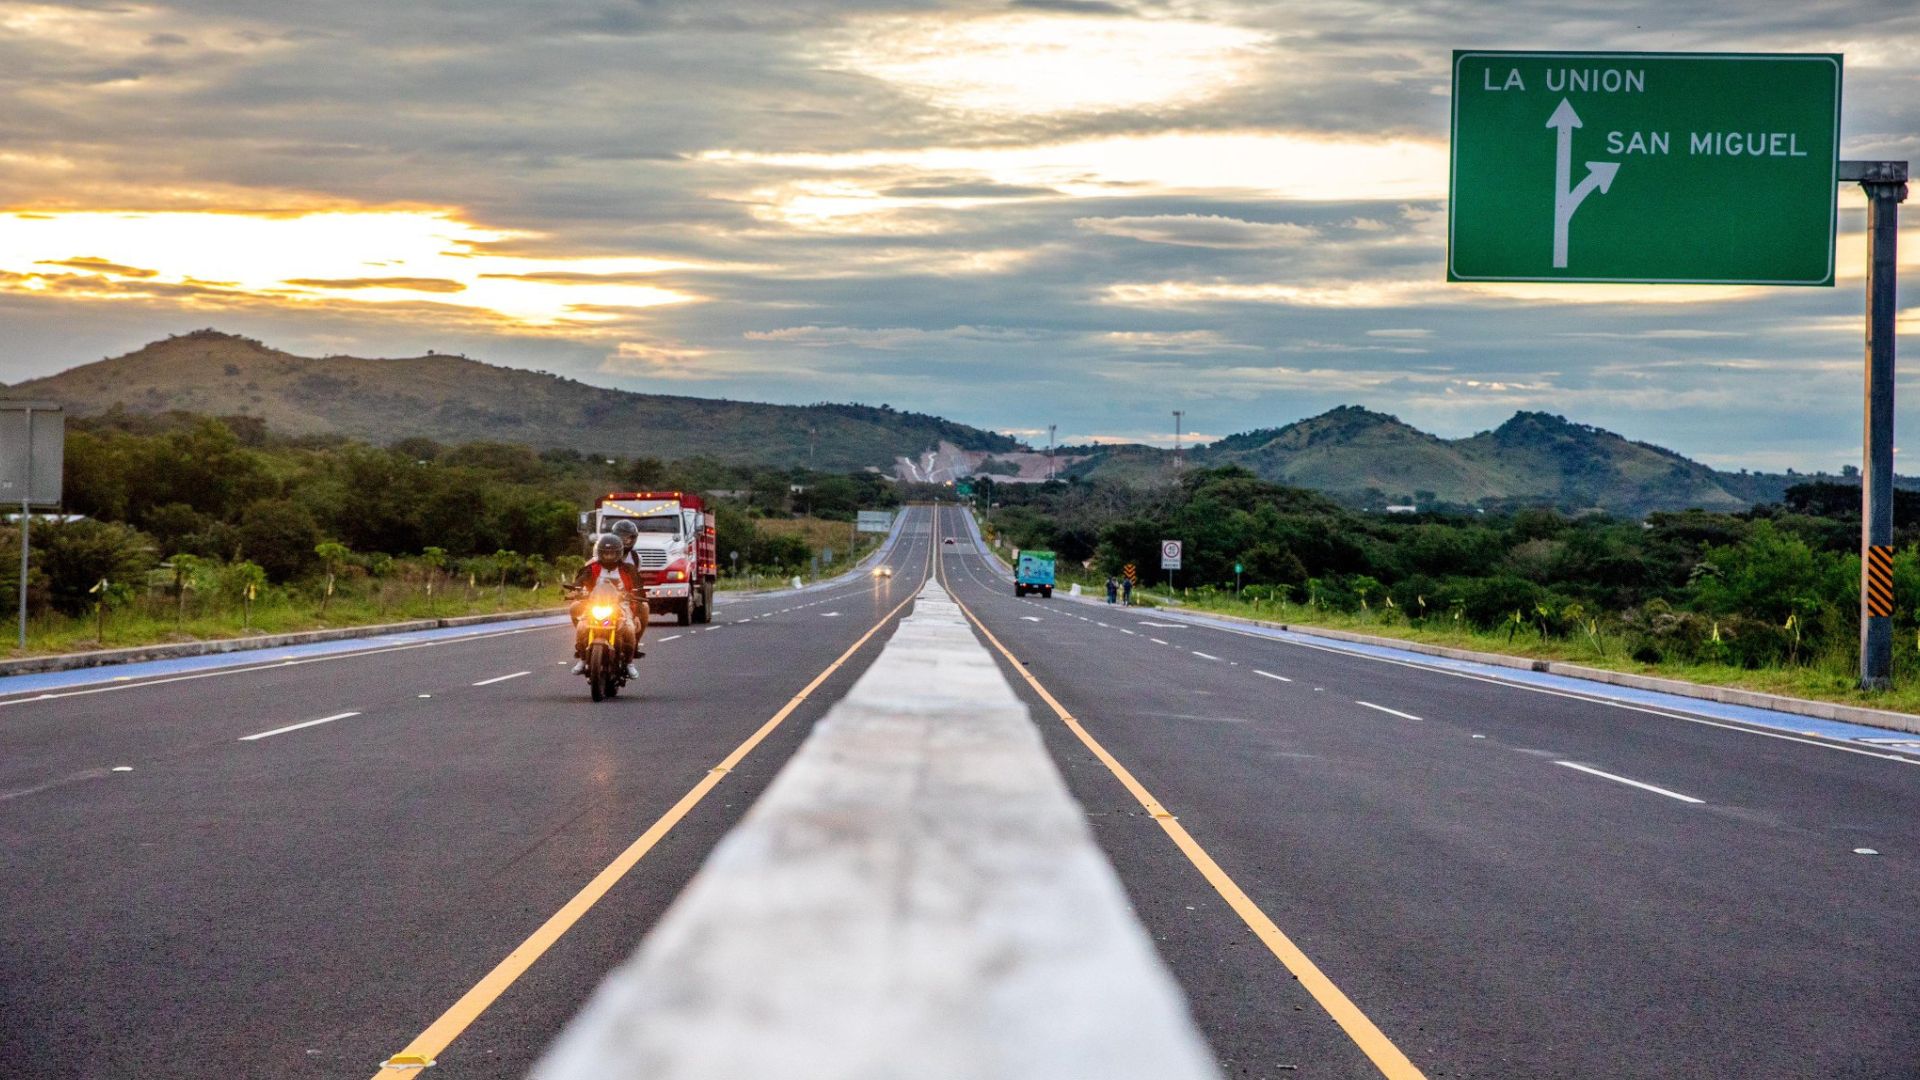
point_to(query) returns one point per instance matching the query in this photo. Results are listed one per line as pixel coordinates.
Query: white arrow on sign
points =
(1567, 198)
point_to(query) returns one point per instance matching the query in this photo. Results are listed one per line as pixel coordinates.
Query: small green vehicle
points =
(1033, 572)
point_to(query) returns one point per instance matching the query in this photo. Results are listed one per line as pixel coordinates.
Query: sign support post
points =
(32, 455)
(1885, 183)
(26, 528)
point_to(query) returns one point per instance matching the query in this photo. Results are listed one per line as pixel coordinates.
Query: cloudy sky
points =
(1075, 212)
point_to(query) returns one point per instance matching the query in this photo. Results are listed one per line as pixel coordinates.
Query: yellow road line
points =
(1370, 1039)
(430, 1043)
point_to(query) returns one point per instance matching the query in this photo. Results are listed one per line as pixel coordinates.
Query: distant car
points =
(949, 540)
(883, 571)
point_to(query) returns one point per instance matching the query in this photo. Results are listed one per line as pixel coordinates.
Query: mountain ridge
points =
(1370, 458)
(1361, 456)
(455, 399)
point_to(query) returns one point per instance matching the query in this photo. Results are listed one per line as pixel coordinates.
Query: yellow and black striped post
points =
(1879, 581)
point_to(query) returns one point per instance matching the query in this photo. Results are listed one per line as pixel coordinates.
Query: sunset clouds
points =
(1119, 208)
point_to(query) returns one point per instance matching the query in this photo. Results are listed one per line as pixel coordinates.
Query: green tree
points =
(333, 558)
(74, 556)
(281, 536)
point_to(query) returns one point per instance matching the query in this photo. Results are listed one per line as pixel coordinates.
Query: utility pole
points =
(1051, 428)
(813, 445)
(1885, 183)
(1177, 461)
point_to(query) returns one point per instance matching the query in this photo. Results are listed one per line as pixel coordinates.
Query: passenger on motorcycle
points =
(629, 533)
(607, 552)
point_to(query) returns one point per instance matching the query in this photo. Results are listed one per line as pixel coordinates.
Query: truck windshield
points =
(658, 524)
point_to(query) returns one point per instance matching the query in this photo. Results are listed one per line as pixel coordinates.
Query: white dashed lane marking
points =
(297, 727)
(1631, 783)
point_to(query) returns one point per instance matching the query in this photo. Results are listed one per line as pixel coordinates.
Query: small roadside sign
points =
(1169, 554)
(1682, 168)
(1131, 572)
(873, 521)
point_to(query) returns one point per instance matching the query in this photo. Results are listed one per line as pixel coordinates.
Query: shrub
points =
(73, 556)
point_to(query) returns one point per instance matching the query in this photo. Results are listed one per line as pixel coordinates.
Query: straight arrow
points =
(1566, 196)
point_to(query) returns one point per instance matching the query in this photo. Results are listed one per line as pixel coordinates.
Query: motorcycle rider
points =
(607, 559)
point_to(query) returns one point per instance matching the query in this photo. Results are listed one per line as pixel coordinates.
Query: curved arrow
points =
(1567, 196)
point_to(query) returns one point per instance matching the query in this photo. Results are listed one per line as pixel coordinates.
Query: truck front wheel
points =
(683, 612)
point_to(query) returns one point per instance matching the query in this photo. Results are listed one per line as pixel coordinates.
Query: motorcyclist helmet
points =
(627, 531)
(608, 549)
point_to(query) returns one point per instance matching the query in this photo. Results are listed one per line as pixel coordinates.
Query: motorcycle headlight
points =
(602, 611)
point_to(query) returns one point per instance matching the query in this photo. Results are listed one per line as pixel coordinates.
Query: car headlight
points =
(602, 611)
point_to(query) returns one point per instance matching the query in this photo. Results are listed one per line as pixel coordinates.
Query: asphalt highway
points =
(1504, 882)
(307, 903)
(1352, 866)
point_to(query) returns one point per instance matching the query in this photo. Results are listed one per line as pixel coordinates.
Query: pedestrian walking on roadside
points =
(1113, 589)
(1126, 590)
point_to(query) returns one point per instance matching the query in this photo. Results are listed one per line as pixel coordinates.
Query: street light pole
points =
(1177, 415)
(1885, 183)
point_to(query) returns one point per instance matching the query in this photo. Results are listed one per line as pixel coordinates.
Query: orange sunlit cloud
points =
(361, 257)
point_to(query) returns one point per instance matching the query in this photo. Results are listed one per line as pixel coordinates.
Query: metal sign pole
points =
(26, 528)
(1885, 183)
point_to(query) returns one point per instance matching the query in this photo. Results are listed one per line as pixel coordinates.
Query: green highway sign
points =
(1685, 168)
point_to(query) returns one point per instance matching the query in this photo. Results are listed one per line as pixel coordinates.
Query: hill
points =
(453, 399)
(1372, 459)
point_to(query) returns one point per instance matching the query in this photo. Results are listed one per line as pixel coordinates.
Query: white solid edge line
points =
(1204, 656)
(501, 678)
(1384, 709)
(1593, 698)
(1271, 675)
(297, 727)
(244, 669)
(1632, 783)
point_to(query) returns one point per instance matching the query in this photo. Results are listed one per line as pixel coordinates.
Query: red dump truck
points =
(679, 561)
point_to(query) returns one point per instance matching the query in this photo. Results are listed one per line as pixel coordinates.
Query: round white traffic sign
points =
(1169, 554)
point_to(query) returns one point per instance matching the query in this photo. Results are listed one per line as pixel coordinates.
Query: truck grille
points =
(651, 559)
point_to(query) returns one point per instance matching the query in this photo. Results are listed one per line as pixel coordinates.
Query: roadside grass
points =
(159, 618)
(1824, 676)
(820, 534)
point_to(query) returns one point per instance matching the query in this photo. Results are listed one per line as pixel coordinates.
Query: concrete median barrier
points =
(915, 895)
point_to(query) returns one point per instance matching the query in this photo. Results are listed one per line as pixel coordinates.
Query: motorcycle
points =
(604, 637)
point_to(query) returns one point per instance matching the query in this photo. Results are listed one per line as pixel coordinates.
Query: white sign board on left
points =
(33, 439)
(873, 521)
(1169, 554)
